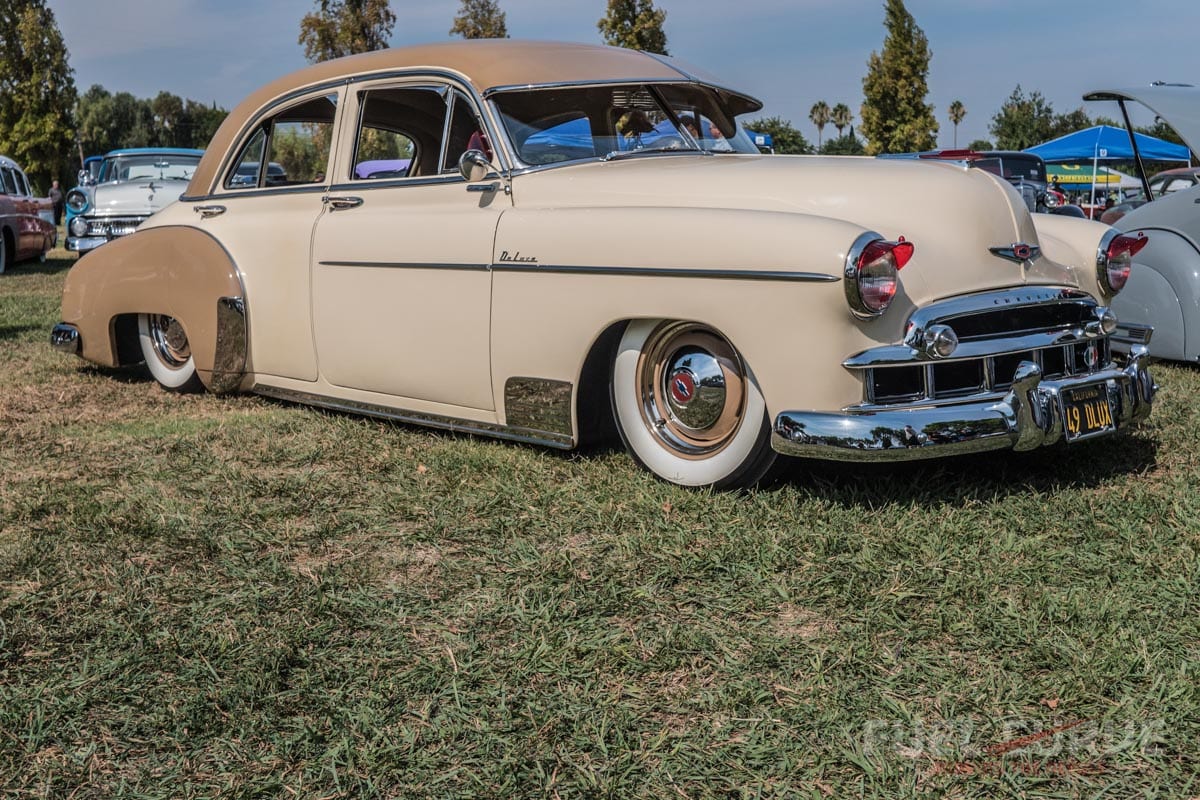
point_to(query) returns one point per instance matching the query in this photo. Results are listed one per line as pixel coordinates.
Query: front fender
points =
(179, 271)
(768, 281)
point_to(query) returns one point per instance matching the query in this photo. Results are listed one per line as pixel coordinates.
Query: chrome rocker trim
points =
(1027, 417)
(553, 439)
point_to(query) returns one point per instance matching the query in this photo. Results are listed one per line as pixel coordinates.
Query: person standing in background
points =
(56, 199)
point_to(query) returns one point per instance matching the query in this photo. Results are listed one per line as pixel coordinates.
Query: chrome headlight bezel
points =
(77, 201)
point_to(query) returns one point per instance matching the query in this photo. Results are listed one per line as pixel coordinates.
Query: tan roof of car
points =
(484, 63)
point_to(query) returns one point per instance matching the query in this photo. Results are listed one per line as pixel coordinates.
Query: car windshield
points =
(1013, 167)
(150, 166)
(559, 124)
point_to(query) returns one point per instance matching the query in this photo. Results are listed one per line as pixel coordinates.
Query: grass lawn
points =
(205, 596)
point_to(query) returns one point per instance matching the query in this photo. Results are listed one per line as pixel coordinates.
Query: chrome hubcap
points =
(692, 386)
(170, 340)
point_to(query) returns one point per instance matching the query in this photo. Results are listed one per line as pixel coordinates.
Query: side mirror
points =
(84, 178)
(474, 166)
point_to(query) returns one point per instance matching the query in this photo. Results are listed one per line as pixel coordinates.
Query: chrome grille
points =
(956, 379)
(1054, 328)
(113, 226)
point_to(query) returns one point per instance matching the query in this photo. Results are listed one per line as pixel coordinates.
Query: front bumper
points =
(1029, 416)
(85, 243)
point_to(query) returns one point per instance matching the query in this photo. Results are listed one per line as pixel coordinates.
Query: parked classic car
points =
(131, 185)
(26, 222)
(716, 306)
(1164, 293)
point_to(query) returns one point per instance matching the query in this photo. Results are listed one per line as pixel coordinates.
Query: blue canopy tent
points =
(1106, 143)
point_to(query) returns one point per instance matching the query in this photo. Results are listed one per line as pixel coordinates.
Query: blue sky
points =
(788, 53)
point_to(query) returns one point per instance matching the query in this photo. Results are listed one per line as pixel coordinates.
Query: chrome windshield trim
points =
(672, 272)
(558, 441)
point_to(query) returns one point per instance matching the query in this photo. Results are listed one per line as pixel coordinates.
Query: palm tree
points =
(957, 112)
(819, 114)
(841, 117)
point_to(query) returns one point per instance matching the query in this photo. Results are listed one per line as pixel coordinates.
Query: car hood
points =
(954, 215)
(140, 197)
(1178, 105)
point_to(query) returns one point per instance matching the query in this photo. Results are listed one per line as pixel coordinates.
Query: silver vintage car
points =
(131, 185)
(571, 239)
(1164, 294)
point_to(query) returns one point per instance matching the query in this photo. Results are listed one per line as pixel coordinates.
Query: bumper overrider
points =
(1032, 414)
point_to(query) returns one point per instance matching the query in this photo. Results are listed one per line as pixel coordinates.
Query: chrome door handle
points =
(342, 203)
(209, 211)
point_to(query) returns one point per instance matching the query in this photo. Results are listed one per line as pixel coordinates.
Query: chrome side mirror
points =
(85, 178)
(474, 166)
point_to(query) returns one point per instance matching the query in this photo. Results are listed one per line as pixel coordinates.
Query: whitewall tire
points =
(688, 407)
(168, 353)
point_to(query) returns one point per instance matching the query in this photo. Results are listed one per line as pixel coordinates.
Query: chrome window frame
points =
(343, 86)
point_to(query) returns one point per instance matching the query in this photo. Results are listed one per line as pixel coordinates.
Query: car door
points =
(402, 252)
(22, 234)
(263, 212)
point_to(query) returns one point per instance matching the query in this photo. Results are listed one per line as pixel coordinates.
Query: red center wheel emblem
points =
(683, 387)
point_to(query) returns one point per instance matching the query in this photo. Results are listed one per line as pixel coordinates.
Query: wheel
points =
(688, 408)
(167, 352)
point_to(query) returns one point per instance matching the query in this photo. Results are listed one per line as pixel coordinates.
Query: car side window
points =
(465, 132)
(10, 181)
(400, 132)
(249, 163)
(23, 184)
(290, 148)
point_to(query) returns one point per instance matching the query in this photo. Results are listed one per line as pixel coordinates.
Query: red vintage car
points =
(26, 222)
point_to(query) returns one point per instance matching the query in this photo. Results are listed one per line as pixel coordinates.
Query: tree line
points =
(48, 127)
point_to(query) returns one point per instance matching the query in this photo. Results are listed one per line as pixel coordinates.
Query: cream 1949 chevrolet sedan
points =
(537, 240)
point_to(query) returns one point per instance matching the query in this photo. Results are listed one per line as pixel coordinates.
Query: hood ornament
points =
(1018, 252)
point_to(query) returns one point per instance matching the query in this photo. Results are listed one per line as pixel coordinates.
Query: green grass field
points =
(205, 596)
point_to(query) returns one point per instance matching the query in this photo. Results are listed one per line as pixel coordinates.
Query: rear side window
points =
(290, 148)
(10, 181)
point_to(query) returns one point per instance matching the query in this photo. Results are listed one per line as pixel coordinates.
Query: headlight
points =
(870, 277)
(1115, 259)
(76, 200)
(79, 226)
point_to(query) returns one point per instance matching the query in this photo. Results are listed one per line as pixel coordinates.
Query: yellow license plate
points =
(1087, 412)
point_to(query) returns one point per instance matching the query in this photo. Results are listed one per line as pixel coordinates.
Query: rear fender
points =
(178, 271)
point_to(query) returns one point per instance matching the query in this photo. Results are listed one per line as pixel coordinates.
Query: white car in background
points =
(1164, 285)
(132, 185)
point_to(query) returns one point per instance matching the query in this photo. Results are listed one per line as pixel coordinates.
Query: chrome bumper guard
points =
(78, 243)
(65, 337)
(1029, 416)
